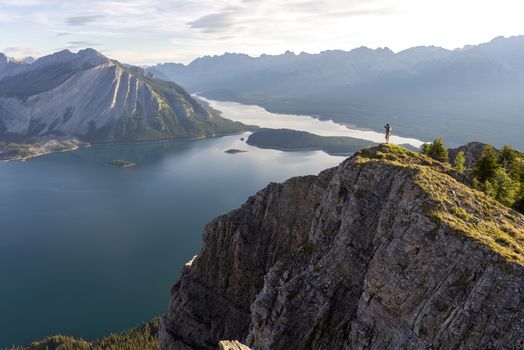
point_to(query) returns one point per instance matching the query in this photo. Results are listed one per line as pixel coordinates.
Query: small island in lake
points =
(234, 151)
(118, 163)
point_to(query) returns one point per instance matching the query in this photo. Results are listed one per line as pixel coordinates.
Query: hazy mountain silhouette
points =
(473, 93)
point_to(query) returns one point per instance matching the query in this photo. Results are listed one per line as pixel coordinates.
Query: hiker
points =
(388, 131)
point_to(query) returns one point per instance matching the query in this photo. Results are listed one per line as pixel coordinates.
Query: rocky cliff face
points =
(90, 96)
(387, 251)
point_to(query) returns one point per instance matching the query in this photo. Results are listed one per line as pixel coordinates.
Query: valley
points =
(338, 240)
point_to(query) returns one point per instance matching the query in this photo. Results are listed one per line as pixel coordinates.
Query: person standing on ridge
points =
(389, 129)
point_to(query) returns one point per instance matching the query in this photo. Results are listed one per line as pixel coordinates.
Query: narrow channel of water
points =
(256, 115)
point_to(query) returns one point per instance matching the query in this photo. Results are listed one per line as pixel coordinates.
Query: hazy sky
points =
(151, 31)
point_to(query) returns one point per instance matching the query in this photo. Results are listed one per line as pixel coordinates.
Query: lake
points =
(256, 115)
(86, 250)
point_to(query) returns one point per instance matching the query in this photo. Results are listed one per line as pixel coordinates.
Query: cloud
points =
(381, 11)
(213, 23)
(76, 44)
(267, 16)
(6, 17)
(20, 51)
(82, 20)
(25, 3)
(141, 31)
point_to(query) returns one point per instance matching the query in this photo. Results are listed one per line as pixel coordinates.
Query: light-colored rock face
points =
(355, 258)
(100, 95)
(231, 345)
(90, 96)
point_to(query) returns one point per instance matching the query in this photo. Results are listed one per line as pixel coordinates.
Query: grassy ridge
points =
(454, 203)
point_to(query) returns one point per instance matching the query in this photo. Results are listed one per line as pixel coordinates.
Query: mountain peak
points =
(56, 57)
(87, 95)
(7, 59)
(82, 57)
(27, 60)
(89, 52)
(9, 65)
(513, 38)
(92, 57)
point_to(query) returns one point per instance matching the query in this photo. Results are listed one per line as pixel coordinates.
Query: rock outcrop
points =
(472, 152)
(389, 250)
(232, 345)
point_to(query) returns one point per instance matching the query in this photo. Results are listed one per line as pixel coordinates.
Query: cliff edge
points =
(389, 250)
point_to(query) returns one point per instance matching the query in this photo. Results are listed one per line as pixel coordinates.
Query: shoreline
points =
(72, 145)
(282, 149)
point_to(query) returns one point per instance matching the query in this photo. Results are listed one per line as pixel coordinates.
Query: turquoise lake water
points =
(86, 250)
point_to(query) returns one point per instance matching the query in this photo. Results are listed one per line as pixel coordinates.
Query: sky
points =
(146, 32)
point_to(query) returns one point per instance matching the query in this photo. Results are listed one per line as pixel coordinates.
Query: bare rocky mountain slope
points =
(97, 99)
(390, 250)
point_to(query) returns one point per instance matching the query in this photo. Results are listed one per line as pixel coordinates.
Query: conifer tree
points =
(460, 162)
(487, 165)
(436, 150)
(505, 188)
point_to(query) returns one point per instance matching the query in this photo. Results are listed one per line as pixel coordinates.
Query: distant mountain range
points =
(97, 99)
(473, 93)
